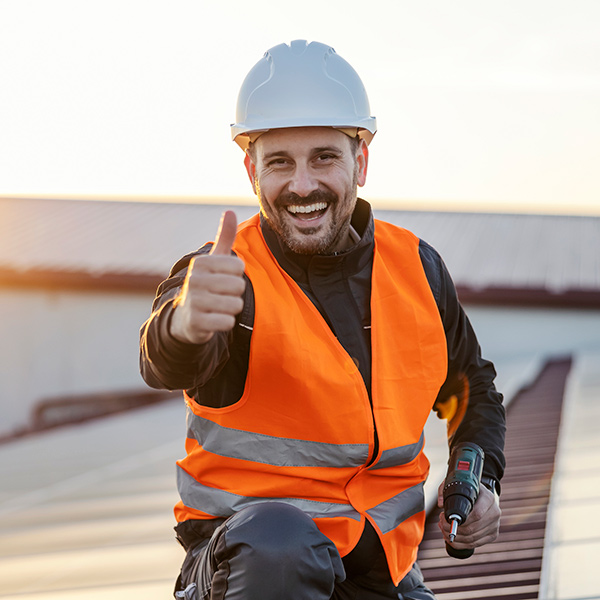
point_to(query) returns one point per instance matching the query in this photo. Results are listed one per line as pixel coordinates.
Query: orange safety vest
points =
(303, 430)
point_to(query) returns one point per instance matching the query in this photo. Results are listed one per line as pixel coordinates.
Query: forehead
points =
(301, 139)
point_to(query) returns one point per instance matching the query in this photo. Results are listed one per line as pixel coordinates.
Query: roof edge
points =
(529, 297)
(57, 280)
(135, 283)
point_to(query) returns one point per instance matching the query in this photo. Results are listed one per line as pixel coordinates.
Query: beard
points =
(322, 239)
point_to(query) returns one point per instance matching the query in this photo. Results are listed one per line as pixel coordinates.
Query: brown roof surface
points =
(136, 242)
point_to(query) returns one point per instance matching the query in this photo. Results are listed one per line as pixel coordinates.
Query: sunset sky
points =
(480, 104)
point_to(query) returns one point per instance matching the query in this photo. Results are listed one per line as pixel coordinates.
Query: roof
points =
(102, 493)
(132, 245)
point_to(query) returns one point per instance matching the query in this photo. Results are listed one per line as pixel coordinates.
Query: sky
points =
(480, 104)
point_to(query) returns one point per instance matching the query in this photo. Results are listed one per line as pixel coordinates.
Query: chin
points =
(310, 244)
(304, 246)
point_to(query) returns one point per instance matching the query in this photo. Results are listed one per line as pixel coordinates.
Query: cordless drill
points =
(461, 489)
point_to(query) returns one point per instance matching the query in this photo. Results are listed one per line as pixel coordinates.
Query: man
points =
(312, 342)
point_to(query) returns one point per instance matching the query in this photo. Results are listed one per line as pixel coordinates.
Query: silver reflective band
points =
(270, 450)
(391, 513)
(220, 503)
(400, 455)
(190, 593)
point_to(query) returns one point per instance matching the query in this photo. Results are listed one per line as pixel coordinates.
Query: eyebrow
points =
(276, 153)
(334, 149)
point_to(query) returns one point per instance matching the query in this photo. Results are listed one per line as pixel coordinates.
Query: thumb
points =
(226, 234)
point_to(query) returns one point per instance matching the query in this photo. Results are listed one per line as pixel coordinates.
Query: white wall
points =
(62, 343)
(508, 334)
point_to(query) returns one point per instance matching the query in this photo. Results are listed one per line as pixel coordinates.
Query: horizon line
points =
(408, 204)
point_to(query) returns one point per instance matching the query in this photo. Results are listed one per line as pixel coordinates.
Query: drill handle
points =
(461, 487)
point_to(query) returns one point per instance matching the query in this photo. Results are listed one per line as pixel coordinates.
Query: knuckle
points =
(241, 286)
(197, 264)
(224, 323)
(238, 305)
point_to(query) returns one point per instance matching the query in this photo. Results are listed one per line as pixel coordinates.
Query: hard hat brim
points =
(243, 137)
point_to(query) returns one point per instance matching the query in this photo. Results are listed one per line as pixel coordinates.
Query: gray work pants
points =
(273, 551)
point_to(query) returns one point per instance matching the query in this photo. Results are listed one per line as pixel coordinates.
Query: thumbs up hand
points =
(211, 295)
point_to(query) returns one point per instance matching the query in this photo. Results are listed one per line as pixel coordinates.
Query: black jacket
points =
(339, 286)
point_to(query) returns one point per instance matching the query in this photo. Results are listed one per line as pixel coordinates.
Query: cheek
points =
(344, 180)
(263, 199)
(269, 188)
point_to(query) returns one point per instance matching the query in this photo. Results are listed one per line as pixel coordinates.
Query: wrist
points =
(492, 484)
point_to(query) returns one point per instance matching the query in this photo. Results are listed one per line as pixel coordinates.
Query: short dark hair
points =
(355, 144)
(251, 150)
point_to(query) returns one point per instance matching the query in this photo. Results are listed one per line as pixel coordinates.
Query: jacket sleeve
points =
(468, 399)
(167, 363)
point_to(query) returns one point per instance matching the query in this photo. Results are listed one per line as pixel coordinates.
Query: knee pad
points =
(273, 547)
(274, 528)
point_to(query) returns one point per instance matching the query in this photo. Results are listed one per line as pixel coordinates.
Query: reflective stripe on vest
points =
(399, 456)
(387, 515)
(303, 431)
(285, 452)
(393, 512)
(213, 501)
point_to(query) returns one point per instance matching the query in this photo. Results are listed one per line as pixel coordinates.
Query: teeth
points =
(307, 209)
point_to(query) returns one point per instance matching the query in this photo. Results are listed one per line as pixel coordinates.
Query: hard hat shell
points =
(302, 85)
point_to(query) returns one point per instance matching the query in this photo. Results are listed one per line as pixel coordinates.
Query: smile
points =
(307, 211)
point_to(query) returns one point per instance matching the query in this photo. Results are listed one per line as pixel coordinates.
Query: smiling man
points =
(305, 179)
(312, 342)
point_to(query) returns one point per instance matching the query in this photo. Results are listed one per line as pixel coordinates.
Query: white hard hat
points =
(301, 85)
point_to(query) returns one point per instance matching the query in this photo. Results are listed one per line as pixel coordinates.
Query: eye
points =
(325, 158)
(277, 162)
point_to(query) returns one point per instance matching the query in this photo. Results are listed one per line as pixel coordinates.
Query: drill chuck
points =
(454, 527)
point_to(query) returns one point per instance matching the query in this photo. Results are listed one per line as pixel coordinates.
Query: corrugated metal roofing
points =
(510, 568)
(102, 237)
(555, 253)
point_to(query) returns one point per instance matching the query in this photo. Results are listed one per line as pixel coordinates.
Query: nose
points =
(302, 182)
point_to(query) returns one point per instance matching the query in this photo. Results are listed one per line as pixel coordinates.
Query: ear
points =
(251, 170)
(362, 162)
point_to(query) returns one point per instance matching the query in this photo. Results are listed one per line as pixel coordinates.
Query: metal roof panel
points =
(482, 250)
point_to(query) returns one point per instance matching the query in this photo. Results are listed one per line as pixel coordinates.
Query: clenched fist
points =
(481, 526)
(211, 295)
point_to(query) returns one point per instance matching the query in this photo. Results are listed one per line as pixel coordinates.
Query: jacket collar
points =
(353, 260)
